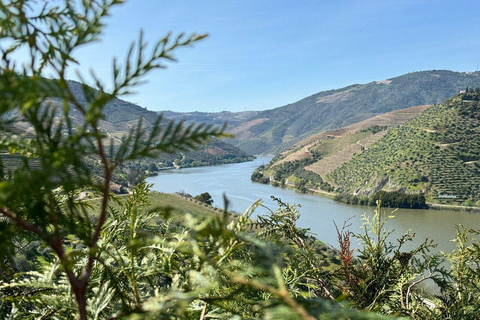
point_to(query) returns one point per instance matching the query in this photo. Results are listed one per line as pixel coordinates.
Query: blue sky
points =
(265, 54)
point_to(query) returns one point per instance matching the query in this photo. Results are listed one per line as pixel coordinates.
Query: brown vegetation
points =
(327, 164)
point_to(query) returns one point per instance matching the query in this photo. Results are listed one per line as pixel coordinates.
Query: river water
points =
(317, 213)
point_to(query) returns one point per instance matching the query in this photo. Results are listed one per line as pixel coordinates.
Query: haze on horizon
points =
(262, 55)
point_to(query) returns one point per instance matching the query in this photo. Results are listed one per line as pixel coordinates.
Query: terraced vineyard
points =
(11, 162)
(436, 153)
(333, 160)
(313, 158)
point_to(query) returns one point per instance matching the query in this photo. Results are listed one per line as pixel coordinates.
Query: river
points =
(317, 213)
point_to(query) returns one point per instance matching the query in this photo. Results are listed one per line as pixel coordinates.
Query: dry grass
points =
(329, 163)
(301, 150)
(242, 131)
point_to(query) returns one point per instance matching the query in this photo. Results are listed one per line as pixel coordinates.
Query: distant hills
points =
(120, 117)
(272, 131)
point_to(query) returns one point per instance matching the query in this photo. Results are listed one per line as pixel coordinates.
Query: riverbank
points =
(440, 206)
(317, 192)
(198, 164)
(323, 193)
(430, 205)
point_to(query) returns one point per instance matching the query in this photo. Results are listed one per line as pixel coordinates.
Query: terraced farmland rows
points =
(434, 153)
(11, 162)
(329, 163)
(390, 119)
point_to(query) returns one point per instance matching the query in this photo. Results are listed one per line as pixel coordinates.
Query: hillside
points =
(120, 117)
(179, 206)
(272, 131)
(436, 154)
(313, 158)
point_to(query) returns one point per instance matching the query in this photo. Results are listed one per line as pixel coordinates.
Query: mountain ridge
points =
(271, 131)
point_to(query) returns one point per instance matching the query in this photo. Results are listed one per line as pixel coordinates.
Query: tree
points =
(39, 197)
(152, 167)
(205, 198)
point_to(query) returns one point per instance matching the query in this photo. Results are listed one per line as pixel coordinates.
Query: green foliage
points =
(462, 298)
(294, 170)
(392, 199)
(301, 185)
(384, 277)
(375, 129)
(257, 175)
(148, 267)
(351, 199)
(310, 272)
(205, 198)
(43, 200)
(286, 169)
(399, 199)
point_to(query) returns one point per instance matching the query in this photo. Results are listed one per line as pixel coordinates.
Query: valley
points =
(121, 117)
(329, 141)
(311, 201)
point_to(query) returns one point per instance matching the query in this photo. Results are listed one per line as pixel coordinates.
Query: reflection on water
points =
(317, 213)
